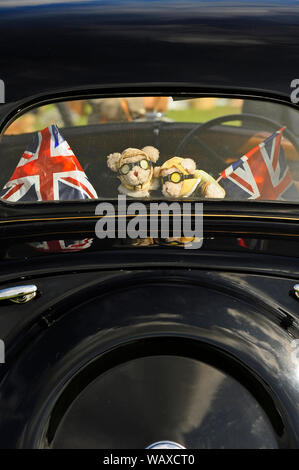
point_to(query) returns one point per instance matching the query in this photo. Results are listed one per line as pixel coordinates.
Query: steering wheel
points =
(273, 125)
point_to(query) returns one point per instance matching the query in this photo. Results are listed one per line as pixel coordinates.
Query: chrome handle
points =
(19, 294)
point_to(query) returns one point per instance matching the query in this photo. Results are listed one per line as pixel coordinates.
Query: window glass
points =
(152, 147)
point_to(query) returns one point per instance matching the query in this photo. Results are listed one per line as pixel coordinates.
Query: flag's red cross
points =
(45, 166)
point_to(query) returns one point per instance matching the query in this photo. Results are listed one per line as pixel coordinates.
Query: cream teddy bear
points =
(134, 168)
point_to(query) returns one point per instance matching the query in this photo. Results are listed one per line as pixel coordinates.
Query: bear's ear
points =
(112, 161)
(157, 171)
(189, 165)
(152, 153)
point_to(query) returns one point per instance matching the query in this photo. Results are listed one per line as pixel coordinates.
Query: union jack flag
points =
(262, 173)
(48, 171)
(65, 246)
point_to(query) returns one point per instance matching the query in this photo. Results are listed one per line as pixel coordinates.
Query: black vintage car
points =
(158, 340)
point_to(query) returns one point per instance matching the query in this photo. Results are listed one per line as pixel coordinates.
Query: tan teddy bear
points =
(134, 168)
(180, 178)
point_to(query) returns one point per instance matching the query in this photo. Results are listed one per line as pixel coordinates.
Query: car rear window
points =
(152, 147)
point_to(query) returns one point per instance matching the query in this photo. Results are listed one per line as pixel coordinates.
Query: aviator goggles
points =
(176, 177)
(126, 167)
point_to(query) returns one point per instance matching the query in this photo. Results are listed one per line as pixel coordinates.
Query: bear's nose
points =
(136, 173)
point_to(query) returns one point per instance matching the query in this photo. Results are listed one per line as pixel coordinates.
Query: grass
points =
(186, 115)
(201, 115)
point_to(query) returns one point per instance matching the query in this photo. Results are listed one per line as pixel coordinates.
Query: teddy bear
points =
(134, 168)
(180, 179)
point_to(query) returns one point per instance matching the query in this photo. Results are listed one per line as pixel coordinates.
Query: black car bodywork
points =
(125, 346)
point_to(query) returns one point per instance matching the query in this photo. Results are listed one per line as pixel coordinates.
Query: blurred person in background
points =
(125, 109)
(115, 110)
